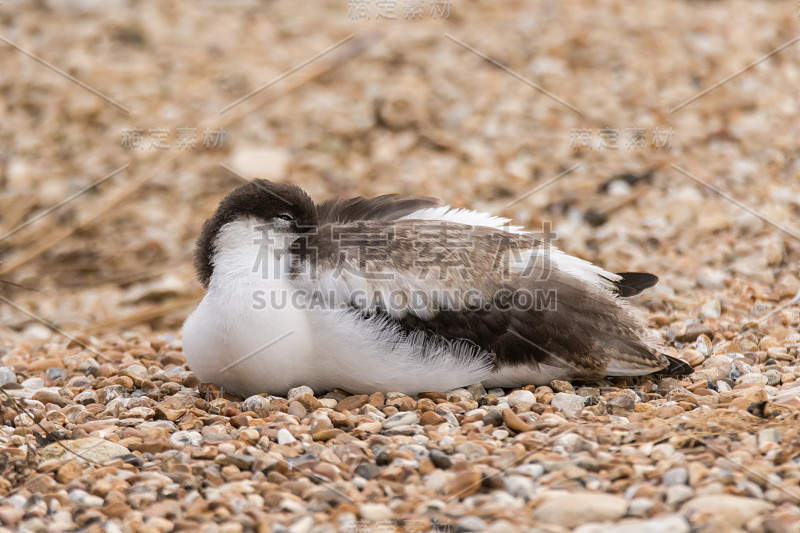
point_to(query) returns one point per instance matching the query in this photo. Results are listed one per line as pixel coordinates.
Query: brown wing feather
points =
(566, 322)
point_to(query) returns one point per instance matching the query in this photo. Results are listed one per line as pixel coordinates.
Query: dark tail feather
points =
(677, 367)
(632, 283)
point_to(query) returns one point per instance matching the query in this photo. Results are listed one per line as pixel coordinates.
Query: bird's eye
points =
(285, 216)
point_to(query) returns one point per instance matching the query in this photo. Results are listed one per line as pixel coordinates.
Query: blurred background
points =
(654, 135)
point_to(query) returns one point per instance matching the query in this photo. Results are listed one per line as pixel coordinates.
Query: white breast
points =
(255, 332)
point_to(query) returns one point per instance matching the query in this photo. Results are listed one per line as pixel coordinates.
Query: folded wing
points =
(509, 294)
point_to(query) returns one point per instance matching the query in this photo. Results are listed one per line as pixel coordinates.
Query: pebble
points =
(285, 437)
(673, 523)
(472, 450)
(768, 438)
(374, 512)
(569, 404)
(401, 419)
(514, 422)
(7, 376)
(676, 476)
(725, 512)
(459, 395)
(519, 486)
(440, 459)
(352, 403)
(711, 309)
(471, 523)
(677, 494)
(571, 509)
(33, 383)
(521, 397)
(90, 448)
(297, 391)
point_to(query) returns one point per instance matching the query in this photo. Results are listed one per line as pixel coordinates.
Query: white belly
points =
(250, 351)
(228, 341)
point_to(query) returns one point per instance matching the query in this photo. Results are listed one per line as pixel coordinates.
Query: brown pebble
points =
(433, 395)
(430, 418)
(172, 358)
(69, 471)
(562, 386)
(377, 399)
(326, 434)
(308, 401)
(514, 422)
(390, 410)
(240, 420)
(40, 365)
(404, 403)
(352, 402)
(466, 483)
(693, 331)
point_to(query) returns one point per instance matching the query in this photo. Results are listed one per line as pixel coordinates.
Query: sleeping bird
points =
(401, 293)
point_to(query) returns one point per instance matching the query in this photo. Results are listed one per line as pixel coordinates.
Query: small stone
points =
(773, 377)
(440, 459)
(724, 512)
(519, 486)
(717, 367)
(326, 434)
(693, 357)
(186, 438)
(524, 397)
(308, 401)
(693, 331)
(458, 395)
(48, 396)
(69, 471)
(571, 509)
(514, 422)
(466, 483)
(374, 512)
(711, 309)
(673, 523)
(297, 409)
(367, 470)
(431, 418)
(676, 476)
(477, 390)
(7, 376)
(240, 461)
(562, 386)
(640, 506)
(768, 439)
(351, 403)
(320, 422)
(377, 399)
(91, 448)
(471, 523)
(472, 450)
(752, 377)
(285, 437)
(677, 494)
(33, 383)
(297, 391)
(403, 418)
(620, 402)
(569, 404)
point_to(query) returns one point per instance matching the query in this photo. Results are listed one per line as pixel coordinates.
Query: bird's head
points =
(260, 215)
